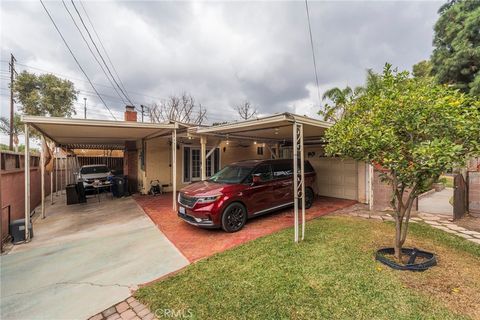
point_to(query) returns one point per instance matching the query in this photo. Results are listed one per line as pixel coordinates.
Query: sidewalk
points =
(437, 202)
(437, 221)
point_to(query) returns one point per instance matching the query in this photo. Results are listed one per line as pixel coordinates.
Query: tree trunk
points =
(402, 219)
(398, 233)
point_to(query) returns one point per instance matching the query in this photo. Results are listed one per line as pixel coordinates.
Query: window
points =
(192, 169)
(260, 151)
(94, 169)
(186, 164)
(231, 174)
(282, 170)
(216, 163)
(196, 167)
(264, 171)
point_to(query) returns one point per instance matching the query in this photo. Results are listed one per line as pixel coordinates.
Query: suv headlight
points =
(208, 199)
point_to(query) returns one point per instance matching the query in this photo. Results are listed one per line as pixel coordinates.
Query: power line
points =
(105, 96)
(313, 51)
(103, 47)
(78, 79)
(98, 51)
(75, 58)
(91, 51)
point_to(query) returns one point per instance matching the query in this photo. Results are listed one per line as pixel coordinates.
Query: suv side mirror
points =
(256, 179)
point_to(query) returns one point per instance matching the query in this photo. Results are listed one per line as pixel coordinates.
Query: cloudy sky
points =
(220, 52)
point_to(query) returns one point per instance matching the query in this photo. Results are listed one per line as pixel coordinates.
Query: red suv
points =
(240, 191)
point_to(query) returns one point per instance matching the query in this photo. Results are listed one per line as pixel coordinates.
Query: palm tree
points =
(17, 128)
(340, 99)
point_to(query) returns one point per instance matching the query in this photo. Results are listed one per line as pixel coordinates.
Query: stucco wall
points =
(158, 159)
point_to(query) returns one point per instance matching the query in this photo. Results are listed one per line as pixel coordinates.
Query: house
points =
(263, 138)
(177, 154)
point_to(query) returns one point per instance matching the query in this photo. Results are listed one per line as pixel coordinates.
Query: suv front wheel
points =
(234, 217)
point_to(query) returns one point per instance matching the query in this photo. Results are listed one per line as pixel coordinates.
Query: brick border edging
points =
(128, 309)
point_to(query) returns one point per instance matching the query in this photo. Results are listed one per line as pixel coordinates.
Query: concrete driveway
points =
(437, 203)
(83, 259)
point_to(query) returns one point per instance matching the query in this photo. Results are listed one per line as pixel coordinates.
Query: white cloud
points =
(221, 52)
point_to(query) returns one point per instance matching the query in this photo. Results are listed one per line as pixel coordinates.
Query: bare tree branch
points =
(178, 108)
(246, 110)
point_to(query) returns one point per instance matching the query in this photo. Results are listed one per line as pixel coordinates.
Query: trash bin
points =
(17, 230)
(72, 196)
(82, 198)
(118, 186)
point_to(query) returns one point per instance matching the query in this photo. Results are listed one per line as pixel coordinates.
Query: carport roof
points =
(95, 134)
(275, 127)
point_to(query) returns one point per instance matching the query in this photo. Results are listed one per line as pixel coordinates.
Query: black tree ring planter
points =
(428, 259)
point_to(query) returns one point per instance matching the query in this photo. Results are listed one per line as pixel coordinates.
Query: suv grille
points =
(187, 201)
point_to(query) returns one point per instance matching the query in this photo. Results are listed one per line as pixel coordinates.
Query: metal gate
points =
(459, 197)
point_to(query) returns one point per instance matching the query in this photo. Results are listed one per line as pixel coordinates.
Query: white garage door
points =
(336, 178)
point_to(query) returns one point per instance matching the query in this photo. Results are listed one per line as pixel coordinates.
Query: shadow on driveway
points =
(83, 259)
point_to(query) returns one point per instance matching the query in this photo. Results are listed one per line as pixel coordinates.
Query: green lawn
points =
(447, 180)
(331, 275)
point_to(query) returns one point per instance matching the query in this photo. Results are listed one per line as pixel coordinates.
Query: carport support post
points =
(203, 151)
(51, 187)
(66, 176)
(295, 181)
(302, 180)
(174, 168)
(299, 179)
(42, 175)
(27, 182)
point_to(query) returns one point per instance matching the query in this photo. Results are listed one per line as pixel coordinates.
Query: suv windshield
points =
(90, 170)
(231, 174)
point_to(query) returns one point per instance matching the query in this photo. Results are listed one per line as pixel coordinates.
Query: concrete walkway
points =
(437, 203)
(83, 259)
(434, 220)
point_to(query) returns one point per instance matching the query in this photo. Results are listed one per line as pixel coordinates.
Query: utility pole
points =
(12, 111)
(142, 106)
(85, 108)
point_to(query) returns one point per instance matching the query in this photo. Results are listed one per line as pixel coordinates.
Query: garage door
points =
(336, 178)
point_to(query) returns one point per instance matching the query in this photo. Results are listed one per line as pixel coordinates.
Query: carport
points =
(274, 131)
(68, 133)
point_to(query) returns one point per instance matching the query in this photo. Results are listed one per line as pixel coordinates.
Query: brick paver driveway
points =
(196, 243)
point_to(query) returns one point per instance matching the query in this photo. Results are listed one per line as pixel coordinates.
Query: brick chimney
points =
(130, 113)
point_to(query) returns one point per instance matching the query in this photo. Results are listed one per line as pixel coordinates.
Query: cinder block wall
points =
(474, 193)
(382, 193)
(13, 186)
